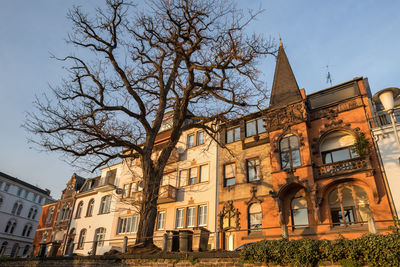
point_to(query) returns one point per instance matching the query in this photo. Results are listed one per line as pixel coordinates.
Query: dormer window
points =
(255, 127)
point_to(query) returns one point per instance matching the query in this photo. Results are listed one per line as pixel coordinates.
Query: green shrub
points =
(372, 250)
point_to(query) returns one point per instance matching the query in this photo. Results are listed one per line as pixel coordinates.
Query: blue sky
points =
(354, 38)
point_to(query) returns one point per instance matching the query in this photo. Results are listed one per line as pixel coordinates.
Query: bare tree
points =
(190, 57)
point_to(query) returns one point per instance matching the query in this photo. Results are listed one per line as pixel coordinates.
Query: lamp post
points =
(387, 97)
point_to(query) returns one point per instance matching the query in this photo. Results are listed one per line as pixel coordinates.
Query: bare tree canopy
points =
(191, 57)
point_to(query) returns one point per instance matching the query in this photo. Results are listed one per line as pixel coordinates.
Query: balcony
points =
(105, 187)
(167, 194)
(382, 118)
(343, 167)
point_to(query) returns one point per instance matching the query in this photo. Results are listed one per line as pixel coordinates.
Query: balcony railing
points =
(342, 167)
(167, 194)
(382, 118)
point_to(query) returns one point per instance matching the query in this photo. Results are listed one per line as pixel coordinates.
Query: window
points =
(202, 215)
(24, 230)
(140, 186)
(133, 189)
(255, 127)
(19, 209)
(192, 176)
(19, 192)
(26, 194)
(289, 152)
(337, 146)
(126, 191)
(299, 210)
(200, 138)
(229, 174)
(79, 210)
(190, 141)
(3, 248)
(34, 213)
(180, 215)
(233, 135)
(28, 232)
(253, 170)
(190, 216)
(14, 250)
(105, 204)
(44, 237)
(128, 225)
(81, 240)
(160, 220)
(10, 227)
(1, 200)
(15, 207)
(50, 215)
(349, 204)
(99, 236)
(64, 214)
(203, 173)
(1, 184)
(26, 249)
(89, 211)
(182, 178)
(255, 217)
(40, 199)
(6, 187)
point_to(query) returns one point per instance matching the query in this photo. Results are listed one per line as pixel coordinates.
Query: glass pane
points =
(260, 126)
(230, 170)
(339, 155)
(203, 173)
(326, 157)
(300, 217)
(334, 198)
(296, 158)
(285, 160)
(229, 182)
(251, 128)
(347, 197)
(349, 215)
(200, 138)
(236, 134)
(284, 144)
(336, 216)
(190, 140)
(293, 141)
(182, 178)
(229, 136)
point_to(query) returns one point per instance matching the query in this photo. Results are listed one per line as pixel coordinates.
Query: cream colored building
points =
(94, 213)
(187, 198)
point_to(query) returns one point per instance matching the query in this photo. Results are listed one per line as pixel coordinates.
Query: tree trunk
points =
(148, 207)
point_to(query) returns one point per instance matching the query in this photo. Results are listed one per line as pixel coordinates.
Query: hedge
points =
(371, 249)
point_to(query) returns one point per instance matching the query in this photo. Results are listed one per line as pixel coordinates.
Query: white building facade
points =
(20, 209)
(93, 214)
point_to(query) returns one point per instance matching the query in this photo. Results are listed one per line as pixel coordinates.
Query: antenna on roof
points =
(328, 76)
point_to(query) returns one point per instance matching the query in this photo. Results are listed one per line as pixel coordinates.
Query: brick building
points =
(309, 172)
(55, 219)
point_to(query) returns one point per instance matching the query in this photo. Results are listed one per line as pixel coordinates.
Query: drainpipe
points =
(216, 198)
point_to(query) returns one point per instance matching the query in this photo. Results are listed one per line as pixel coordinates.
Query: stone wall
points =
(221, 259)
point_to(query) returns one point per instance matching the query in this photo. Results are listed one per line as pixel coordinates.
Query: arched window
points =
(349, 204)
(99, 236)
(14, 250)
(50, 215)
(105, 204)
(24, 231)
(299, 210)
(89, 211)
(26, 249)
(13, 225)
(289, 152)
(19, 209)
(65, 212)
(29, 230)
(34, 213)
(3, 248)
(10, 226)
(15, 207)
(79, 210)
(30, 212)
(1, 200)
(337, 146)
(255, 217)
(81, 240)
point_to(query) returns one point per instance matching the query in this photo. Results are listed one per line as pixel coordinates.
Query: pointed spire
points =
(284, 89)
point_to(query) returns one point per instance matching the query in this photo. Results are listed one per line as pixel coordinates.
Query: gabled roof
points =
(284, 89)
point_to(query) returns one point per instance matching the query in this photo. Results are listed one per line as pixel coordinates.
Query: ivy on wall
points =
(371, 250)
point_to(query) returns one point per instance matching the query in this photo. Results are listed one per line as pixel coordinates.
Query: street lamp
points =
(387, 97)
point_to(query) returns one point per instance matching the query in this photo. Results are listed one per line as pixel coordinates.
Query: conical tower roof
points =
(284, 89)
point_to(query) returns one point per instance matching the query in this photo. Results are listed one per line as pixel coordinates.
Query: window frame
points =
(290, 151)
(105, 204)
(235, 131)
(190, 211)
(226, 179)
(200, 215)
(181, 223)
(81, 239)
(79, 210)
(256, 169)
(161, 220)
(257, 126)
(251, 215)
(189, 144)
(90, 208)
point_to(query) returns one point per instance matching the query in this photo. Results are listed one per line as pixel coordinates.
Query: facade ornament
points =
(254, 198)
(229, 217)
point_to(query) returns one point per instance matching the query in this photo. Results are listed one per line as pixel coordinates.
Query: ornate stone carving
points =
(284, 117)
(229, 217)
(254, 198)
